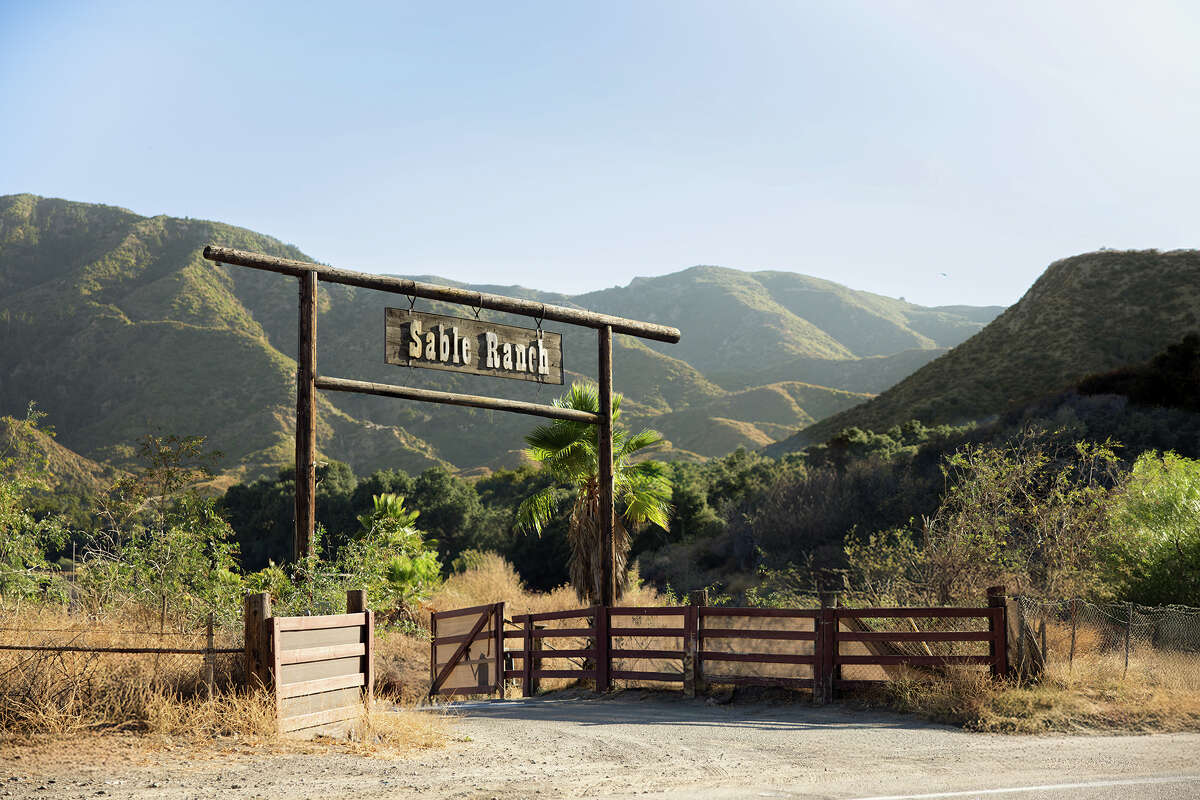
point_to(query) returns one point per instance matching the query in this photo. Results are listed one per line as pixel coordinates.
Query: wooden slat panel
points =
(634, 675)
(548, 653)
(548, 615)
(315, 670)
(462, 637)
(717, 611)
(458, 612)
(761, 658)
(915, 636)
(674, 632)
(914, 612)
(321, 621)
(753, 633)
(478, 649)
(645, 653)
(321, 653)
(461, 691)
(647, 611)
(319, 637)
(320, 685)
(559, 633)
(311, 703)
(756, 680)
(320, 718)
(460, 626)
(469, 674)
(916, 661)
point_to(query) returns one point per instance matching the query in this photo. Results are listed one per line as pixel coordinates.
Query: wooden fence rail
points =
(717, 645)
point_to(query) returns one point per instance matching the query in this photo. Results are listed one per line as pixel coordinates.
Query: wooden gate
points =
(466, 651)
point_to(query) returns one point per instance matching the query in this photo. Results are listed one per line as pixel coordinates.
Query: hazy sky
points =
(571, 146)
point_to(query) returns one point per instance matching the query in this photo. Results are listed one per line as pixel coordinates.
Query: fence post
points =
(527, 659)
(998, 628)
(600, 620)
(693, 673)
(1021, 670)
(498, 610)
(356, 603)
(209, 656)
(256, 612)
(1071, 654)
(1128, 633)
(432, 649)
(827, 641)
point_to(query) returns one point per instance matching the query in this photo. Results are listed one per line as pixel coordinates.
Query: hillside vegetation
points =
(1086, 314)
(116, 326)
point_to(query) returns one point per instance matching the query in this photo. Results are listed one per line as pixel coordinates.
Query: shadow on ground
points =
(668, 708)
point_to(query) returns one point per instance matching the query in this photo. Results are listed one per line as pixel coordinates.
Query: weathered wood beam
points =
(449, 294)
(454, 399)
(306, 421)
(608, 593)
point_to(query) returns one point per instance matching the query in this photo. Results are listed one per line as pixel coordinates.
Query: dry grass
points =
(55, 696)
(1160, 693)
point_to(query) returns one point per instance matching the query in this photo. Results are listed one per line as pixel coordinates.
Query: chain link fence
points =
(1113, 641)
(59, 667)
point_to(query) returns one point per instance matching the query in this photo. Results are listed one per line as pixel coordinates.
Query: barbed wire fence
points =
(1107, 640)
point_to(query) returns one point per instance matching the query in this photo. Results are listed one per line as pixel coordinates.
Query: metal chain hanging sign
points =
(458, 344)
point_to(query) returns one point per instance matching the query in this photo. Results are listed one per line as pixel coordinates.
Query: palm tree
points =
(569, 451)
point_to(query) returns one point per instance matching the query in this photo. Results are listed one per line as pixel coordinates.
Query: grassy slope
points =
(1086, 314)
(116, 326)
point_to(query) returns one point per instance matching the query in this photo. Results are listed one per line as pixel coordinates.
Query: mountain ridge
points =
(115, 324)
(1086, 314)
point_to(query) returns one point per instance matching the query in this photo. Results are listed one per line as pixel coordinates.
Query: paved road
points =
(659, 746)
(636, 745)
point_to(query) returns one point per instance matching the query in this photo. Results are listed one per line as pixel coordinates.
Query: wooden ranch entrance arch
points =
(478, 352)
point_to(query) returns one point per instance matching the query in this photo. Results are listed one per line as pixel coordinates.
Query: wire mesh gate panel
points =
(323, 671)
(466, 651)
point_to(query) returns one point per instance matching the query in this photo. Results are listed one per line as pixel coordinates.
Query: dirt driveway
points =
(643, 745)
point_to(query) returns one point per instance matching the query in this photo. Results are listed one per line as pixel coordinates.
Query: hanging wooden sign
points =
(457, 344)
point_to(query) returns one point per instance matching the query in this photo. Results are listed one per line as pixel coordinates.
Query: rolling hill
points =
(1087, 314)
(116, 326)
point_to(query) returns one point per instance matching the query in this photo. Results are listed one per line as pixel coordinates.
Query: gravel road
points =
(650, 745)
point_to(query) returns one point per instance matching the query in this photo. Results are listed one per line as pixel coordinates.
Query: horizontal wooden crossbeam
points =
(455, 399)
(448, 294)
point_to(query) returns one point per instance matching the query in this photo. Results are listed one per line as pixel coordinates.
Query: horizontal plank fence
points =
(825, 649)
(320, 668)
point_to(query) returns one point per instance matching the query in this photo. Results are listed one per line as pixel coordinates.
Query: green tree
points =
(24, 536)
(391, 559)
(160, 537)
(569, 450)
(1158, 531)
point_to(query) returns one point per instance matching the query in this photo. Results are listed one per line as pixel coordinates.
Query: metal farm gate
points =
(466, 651)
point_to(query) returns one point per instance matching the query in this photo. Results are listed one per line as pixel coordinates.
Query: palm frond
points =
(537, 510)
(635, 442)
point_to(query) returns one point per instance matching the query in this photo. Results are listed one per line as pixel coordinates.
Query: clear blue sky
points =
(572, 146)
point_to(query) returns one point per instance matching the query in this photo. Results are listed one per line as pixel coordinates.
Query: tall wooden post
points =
(608, 592)
(258, 661)
(306, 418)
(356, 603)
